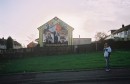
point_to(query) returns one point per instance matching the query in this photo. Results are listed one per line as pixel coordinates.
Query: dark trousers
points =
(107, 62)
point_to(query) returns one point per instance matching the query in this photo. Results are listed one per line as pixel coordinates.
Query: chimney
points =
(123, 26)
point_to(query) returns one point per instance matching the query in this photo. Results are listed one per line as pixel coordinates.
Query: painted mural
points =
(55, 32)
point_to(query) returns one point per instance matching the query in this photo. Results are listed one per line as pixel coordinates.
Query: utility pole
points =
(96, 45)
(79, 39)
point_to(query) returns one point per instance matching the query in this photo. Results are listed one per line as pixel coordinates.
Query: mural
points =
(55, 33)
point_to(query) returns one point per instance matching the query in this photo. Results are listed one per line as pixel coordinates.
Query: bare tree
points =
(100, 36)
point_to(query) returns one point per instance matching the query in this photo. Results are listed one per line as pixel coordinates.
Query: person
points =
(107, 53)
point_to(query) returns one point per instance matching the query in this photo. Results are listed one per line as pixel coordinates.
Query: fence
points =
(38, 51)
(60, 50)
(119, 45)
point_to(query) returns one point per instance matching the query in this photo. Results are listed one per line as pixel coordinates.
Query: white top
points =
(107, 51)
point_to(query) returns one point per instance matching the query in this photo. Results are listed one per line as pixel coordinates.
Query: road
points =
(115, 76)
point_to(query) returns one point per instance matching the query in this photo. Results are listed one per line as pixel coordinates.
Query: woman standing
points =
(107, 52)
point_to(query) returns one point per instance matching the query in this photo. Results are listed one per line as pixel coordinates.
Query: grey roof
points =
(125, 28)
(2, 41)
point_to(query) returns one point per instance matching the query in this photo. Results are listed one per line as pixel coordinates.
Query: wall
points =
(2, 46)
(81, 41)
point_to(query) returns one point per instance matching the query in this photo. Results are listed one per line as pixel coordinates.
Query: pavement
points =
(115, 76)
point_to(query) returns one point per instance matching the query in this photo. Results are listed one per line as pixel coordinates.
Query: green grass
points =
(64, 62)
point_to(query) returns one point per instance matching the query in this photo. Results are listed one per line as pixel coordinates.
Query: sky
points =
(21, 18)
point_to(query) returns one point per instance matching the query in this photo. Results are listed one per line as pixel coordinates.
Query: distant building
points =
(122, 34)
(81, 41)
(31, 45)
(16, 45)
(2, 43)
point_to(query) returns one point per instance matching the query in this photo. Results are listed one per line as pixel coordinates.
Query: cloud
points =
(22, 17)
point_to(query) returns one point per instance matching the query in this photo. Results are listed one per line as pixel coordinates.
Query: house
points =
(55, 32)
(16, 45)
(122, 34)
(31, 45)
(2, 43)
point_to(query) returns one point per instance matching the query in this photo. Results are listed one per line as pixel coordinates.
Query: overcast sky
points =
(21, 18)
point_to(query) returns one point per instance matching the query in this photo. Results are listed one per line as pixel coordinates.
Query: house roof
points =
(2, 41)
(31, 44)
(124, 28)
(17, 43)
(55, 20)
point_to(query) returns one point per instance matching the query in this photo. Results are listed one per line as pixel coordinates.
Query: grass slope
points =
(65, 62)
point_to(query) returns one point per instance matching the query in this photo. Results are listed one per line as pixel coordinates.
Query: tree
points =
(100, 36)
(9, 43)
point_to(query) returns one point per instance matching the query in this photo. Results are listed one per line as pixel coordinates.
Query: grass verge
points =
(64, 62)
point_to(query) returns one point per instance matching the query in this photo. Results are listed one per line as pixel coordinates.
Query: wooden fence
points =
(61, 50)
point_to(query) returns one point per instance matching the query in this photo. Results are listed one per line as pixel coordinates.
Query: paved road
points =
(115, 76)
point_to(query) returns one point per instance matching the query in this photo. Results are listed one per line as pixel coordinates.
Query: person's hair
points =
(105, 45)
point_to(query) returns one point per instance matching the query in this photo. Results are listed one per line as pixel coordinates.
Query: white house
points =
(122, 34)
(2, 43)
(16, 45)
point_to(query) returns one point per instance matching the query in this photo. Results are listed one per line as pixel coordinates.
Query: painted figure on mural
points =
(55, 33)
